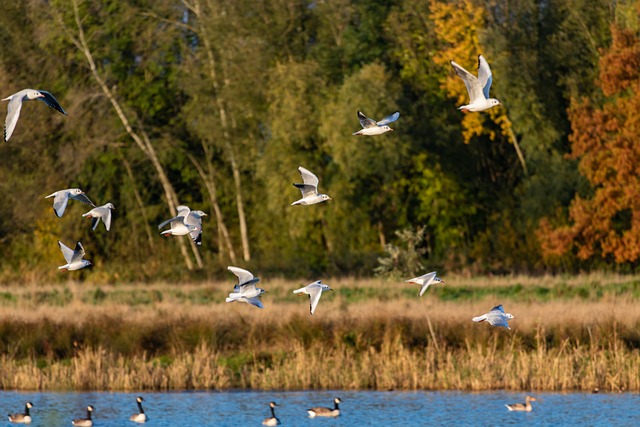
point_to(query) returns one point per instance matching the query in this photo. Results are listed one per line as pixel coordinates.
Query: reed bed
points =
(367, 334)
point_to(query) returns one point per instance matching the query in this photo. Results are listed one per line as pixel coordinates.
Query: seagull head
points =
(110, 206)
(387, 128)
(33, 94)
(76, 191)
(509, 316)
(493, 102)
(325, 197)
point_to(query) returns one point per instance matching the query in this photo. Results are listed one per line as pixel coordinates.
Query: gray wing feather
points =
(365, 121)
(306, 190)
(474, 88)
(244, 276)
(67, 252)
(13, 113)
(498, 308)
(196, 235)
(60, 201)
(83, 198)
(315, 292)
(255, 301)
(308, 177)
(107, 219)
(485, 77)
(162, 224)
(390, 118)
(94, 222)
(51, 101)
(78, 253)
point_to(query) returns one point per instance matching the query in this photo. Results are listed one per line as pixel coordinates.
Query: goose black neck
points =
(89, 415)
(26, 410)
(140, 407)
(335, 405)
(273, 412)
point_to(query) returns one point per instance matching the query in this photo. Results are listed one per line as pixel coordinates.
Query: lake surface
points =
(359, 408)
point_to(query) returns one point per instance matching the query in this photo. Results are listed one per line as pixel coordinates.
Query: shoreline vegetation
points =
(570, 333)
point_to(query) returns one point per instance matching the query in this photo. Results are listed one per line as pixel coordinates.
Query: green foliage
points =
(234, 96)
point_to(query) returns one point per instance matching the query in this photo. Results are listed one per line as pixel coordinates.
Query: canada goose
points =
(326, 412)
(273, 420)
(524, 407)
(140, 417)
(84, 422)
(22, 418)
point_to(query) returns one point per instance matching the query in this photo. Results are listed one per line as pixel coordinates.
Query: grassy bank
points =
(569, 334)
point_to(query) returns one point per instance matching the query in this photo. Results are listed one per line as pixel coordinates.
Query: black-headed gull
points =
(195, 218)
(496, 317)
(84, 422)
(15, 104)
(425, 280)
(326, 412)
(314, 290)
(522, 407)
(309, 189)
(101, 212)
(272, 420)
(22, 418)
(478, 87)
(140, 417)
(73, 257)
(179, 225)
(245, 290)
(61, 198)
(371, 127)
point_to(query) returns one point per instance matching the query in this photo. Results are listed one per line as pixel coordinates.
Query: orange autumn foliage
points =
(605, 141)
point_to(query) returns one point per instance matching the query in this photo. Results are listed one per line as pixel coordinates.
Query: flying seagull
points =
(195, 218)
(61, 198)
(371, 127)
(179, 224)
(478, 87)
(496, 317)
(101, 212)
(15, 104)
(425, 280)
(522, 407)
(73, 257)
(309, 189)
(314, 290)
(245, 290)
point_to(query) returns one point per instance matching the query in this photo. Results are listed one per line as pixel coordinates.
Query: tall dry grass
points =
(368, 334)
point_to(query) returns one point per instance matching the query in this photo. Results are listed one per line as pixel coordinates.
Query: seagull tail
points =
(480, 318)
(297, 291)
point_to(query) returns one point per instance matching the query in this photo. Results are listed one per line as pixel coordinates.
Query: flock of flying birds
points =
(190, 222)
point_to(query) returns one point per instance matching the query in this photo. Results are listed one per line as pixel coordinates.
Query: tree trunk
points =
(142, 142)
(244, 233)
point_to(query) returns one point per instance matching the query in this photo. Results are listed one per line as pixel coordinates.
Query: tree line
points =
(215, 104)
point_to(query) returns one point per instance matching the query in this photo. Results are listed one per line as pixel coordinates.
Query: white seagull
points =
(73, 257)
(101, 212)
(179, 224)
(371, 127)
(496, 317)
(61, 198)
(309, 189)
(245, 290)
(478, 87)
(314, 290)
(425, 280)
(195, 218)
(15, 104)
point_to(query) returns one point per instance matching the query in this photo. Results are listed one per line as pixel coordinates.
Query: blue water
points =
(359, 408)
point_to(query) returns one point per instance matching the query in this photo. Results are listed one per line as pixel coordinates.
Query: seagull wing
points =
(13, 113)
(254, 301)
(67, 252)
(95, 221)
(315, 292)
(244, 276)
(60, 201)
(365, 121)
(485, 77)
(310, 186)
(78, 253)
(51, 101)
(497, 319)
(498, 308)
(474, 88)
(390, 118)
(196, 221)
(107, 219)
(162, 224)
(83, 198)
